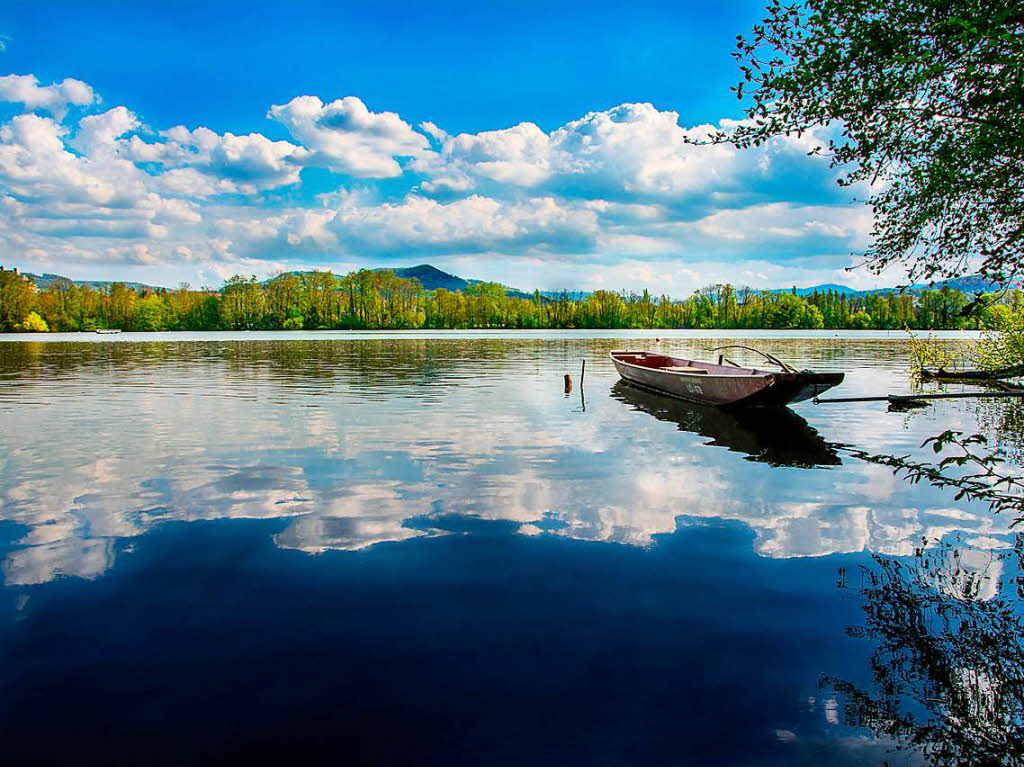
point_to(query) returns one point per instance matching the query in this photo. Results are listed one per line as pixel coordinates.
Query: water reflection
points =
(642, 582)
(948, 661)
(354, 444)
(776, 436)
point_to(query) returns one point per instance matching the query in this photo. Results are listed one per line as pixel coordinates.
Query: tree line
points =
(368, 299)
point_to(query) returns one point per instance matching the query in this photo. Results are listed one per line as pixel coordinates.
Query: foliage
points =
(1000, 347)
(17, 297)
(34, 324)
(921, 101)
(860, 321)
(929, 354)
(382, 300)
(1002, 344)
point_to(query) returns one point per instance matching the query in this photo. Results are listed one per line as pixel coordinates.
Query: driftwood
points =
(977, 375)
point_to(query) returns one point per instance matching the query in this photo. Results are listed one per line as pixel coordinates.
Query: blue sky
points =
(540, 146)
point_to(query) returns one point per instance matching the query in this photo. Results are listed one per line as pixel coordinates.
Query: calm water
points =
(418, 549)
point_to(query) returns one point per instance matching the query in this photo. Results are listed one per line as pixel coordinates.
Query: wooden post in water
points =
(568, 383)
(583, 372)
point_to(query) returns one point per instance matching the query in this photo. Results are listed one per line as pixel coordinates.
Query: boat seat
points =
(685, 369)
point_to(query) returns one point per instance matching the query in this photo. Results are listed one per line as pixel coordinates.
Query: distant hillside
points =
(827, 287)
(45, 280)
(972, 284)
(431, 278)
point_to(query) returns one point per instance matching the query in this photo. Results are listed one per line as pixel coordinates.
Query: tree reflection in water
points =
(949, 664)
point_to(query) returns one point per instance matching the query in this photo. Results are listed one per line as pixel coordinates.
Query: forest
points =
(370, 299)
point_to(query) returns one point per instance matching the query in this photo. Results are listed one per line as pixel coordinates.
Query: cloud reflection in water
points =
(358, 443)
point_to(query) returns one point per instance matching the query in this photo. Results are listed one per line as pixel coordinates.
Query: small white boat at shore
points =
(106, 331)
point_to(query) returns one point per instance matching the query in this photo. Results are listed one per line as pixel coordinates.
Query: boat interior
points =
(692, 367)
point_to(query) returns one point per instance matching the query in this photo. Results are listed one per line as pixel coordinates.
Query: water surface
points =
(418, 548)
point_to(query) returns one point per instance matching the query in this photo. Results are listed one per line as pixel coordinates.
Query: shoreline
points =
(172, 336)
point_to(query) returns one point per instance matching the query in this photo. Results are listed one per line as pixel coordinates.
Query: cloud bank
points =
(619, 194)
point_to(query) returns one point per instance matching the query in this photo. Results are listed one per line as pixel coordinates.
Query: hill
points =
(431, 278)
(45, 280)
(971, 284)
(825, 288)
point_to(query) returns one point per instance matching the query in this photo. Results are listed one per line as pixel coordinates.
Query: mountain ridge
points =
(432, 278)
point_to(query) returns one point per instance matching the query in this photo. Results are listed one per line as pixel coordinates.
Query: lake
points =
(417, 548)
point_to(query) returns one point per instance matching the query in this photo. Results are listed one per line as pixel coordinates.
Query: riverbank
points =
(641, 334)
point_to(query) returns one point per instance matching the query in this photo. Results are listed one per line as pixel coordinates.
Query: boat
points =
(104, 331)
(773, 435)
(725, 384)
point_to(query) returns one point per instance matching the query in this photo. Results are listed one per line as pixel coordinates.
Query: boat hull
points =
(719, 385)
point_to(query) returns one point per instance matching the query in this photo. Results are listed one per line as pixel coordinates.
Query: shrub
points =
(35, 324)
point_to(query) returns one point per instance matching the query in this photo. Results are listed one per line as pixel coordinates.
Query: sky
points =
(534, 145)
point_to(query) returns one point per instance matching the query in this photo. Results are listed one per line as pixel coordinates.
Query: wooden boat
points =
(724, 384)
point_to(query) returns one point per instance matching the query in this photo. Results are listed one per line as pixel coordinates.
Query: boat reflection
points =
(776, 436)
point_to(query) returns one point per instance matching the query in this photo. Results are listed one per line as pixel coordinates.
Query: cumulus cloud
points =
(221, 163)
(785, 222)
(617, 185)
(630, 151)
(36, 166)
(472, 224)
(298, 231)
(100, 132)
(348, 138)
(55, 98)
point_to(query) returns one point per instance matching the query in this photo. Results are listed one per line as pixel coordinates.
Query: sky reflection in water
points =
(735, 525)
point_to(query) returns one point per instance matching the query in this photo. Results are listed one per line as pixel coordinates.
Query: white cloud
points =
(100, 132)
(296, 231)
(785, 222)
(521, 155)
(617, 195)
(36, 166)
(638, 148)
(471, 224)
(348, 138)
(632, 150)
(55, 98)
(229, 163)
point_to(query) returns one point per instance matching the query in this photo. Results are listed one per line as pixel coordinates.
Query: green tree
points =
(149, 313)
(860, 321)
(923, 99)
(17, 299)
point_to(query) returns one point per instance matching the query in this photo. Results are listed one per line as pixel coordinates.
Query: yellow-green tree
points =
(34, 324)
